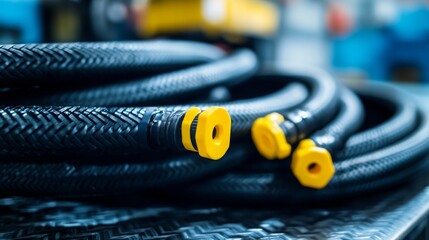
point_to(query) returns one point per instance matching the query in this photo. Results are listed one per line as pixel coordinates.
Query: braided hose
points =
(115, 137)
(312, 162)
(61, 63)
(275, 133)
(397, 127)
(160, 89)
(367, 171)
(98, 118)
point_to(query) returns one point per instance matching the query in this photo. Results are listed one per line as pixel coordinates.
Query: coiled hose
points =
(24, 65)
(79, 119)
(394, 157)
(101, 130)
(67, 140)
(274, 134)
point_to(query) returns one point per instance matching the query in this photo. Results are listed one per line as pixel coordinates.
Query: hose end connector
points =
(268, 137)
(312, 165)
(207, 132)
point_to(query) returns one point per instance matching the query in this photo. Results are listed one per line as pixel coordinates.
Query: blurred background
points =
(383, 40)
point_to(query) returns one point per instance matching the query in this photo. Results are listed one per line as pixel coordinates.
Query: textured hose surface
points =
(116, 114)
(71, 178)
(398, 126)
(92, 122)
(244, 112)
(281, 188)
(59, 63)
(160, 89)
(38, 131)
(380, 162)
(348, 120)
(318, 108)
(368, 171)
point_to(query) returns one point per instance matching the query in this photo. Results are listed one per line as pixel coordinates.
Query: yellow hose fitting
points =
(213, 132)
(269, 139)
(186, 128)
(312, 165)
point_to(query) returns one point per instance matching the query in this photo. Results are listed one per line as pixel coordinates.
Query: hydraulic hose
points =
(71, 178)
(160, 89)
(50, 131)
(367, 171)
(24, 65)
(72, 130)
(312, 160)
(65, 140)
(402, 122)
(41, 131)
(353, 177)
(103, 118)
(275, 133)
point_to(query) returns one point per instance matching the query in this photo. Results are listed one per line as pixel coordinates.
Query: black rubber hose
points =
(402, 122)
(281, 188)
(80, 177)
(160, 89)
(366, 172)
(244, 112)
(312, 160)
(79, 63)
(74, 179)
(354, 176)
(379, 163)
(348, 120)
(298, 123)
(94, 129)
(43, 131)
(317, 110)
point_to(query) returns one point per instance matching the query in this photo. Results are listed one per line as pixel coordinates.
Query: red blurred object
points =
(339, 21)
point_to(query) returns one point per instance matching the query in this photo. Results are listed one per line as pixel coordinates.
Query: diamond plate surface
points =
(391, 216)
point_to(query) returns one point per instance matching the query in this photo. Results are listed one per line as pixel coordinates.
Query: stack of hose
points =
(81, 119)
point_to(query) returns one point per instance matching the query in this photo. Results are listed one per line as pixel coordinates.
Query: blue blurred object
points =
(412, 23)
(384, 52)
(20, 21)
(361, 50)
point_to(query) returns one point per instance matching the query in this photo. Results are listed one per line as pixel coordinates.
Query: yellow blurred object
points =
(241, 17)
(312, 165)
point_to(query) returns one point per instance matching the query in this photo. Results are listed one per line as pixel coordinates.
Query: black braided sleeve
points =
(160, 89)
(348, 120)
(38, 131)
(65, 178)
(244, 112)
(402, 122)
(319, 107)
(365, 172)
(281, 188)
(73, 63)
(76, 130)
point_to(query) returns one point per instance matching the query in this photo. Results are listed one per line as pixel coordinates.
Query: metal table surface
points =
(392, 215)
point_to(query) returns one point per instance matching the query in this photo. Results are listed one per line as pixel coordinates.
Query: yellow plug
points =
(269, 138)
(312, 165)
(213, 132)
